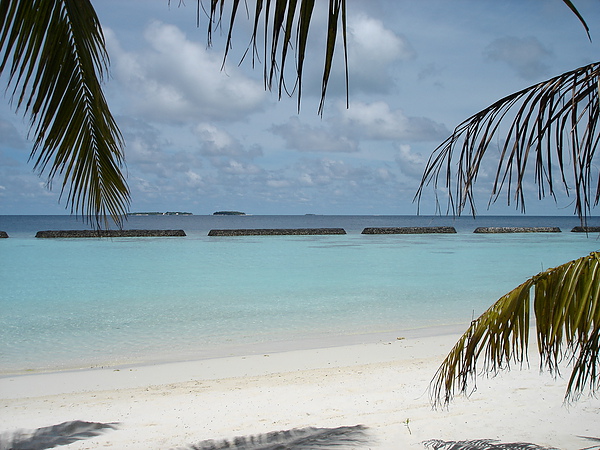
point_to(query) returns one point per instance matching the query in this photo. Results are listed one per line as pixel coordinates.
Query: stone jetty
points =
(586, 230)
(277, 232)
(107, 233)
(517, 230)
(408, 230)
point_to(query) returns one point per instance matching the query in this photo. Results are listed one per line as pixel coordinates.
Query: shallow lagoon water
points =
(69, 303)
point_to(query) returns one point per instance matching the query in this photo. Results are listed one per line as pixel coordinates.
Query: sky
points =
(202, 138)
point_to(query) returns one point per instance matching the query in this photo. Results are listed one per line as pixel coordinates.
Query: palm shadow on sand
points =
(296, 439)
(490, 444)
(53, 436)
(481, 444)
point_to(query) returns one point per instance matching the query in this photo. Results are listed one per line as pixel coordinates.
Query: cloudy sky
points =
(201, 139)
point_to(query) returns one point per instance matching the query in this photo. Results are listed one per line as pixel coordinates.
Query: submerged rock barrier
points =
(277, 232)
(107, 233)
(586, 230)
(408, 230)
(517, 230)
(3, 234)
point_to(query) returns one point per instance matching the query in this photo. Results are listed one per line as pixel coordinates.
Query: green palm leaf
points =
(567, 313)
(550, 122)
(55, 55)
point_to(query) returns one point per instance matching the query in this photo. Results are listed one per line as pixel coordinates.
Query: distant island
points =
(168, 213)
(229, 213)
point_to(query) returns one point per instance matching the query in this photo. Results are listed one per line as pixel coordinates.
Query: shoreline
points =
(224, 367)
(296, 343)
(382, 386)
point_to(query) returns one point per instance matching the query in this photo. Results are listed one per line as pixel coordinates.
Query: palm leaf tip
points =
(572, 7)
(567, 316)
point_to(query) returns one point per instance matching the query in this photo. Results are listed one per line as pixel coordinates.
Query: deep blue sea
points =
(76, 303)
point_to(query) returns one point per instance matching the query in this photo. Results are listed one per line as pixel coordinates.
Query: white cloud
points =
(410, 162)
(217, 142)
(373, 49)
(374, 54)
(329, 174)
(278, 184)
(304, 138)
(177, 80)
(233, 167)
(526, 56)
(156, 167)
(194, 179)
(372, 42)
(22, 189)
(377, 121)
(10, 136)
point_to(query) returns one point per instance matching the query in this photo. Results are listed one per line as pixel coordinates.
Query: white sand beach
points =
(382, 386)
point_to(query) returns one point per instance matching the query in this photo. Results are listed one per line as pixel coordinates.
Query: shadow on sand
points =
(297, 439)
(53, 436)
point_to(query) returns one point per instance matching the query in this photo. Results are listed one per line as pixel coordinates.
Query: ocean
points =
(81, 303)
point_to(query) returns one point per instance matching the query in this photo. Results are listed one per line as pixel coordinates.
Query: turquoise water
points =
(84, 302)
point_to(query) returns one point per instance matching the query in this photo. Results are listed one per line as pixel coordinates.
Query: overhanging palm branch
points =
(567, 314)
(285, 27)
(55, 56)
(551, 126)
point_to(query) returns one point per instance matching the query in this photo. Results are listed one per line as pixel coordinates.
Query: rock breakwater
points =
(277, 232)
(408, 230)
(517, 230)
(586, 230)
(107, 233)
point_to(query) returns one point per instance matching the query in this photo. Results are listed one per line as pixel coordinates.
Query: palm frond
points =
(567, 312)
(286, 26)
(55, 54)
(553, 122)
(481, 444)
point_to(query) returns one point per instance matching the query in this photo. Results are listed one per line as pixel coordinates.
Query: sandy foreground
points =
(382, 386)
